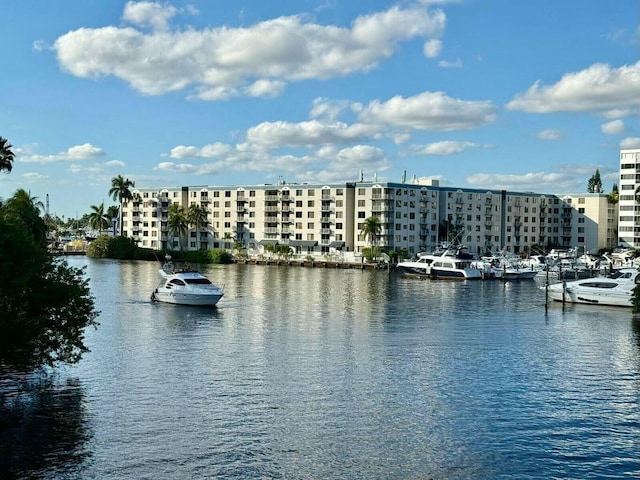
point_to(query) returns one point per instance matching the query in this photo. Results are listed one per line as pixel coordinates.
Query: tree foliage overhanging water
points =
(45, 305)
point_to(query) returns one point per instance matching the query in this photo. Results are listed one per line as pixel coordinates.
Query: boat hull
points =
(193, 299)
(456, 274)
(413, 270)
(615, 290)
(519, 274)
(619, 300)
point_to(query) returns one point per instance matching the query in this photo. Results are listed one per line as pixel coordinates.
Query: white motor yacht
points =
(448, 263)
(615, 289)
(186, 287)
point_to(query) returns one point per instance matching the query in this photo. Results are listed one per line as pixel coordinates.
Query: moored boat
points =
(186, 287)
(416, 266)
(614, 290)
(446, 263)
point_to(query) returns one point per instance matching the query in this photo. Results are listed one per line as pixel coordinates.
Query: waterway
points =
(307, 373)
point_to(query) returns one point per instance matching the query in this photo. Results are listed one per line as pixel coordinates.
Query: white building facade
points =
(629, 208)
(316, 219)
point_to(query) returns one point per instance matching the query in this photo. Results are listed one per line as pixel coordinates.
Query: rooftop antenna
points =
(361, 175)
(404, 176)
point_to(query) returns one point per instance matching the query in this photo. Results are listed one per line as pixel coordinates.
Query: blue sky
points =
(524, 96)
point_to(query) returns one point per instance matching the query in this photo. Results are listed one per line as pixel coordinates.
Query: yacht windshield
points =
(197, 281)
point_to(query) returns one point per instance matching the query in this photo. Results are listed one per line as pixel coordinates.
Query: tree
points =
(371, 230)
(6, 155)
(112, 212)
(121, 190)
(614, 196)
(24, 208)
(595, 183)
(228, 239)
(197, 217)
(178, 223)
(45, 305)
(98, 218)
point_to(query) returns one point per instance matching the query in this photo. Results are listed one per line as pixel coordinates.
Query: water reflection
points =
(326, 373)
(43, 425)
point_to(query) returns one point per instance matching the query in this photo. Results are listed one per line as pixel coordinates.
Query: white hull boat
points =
(615, 290)
(450, 263)
(186, 287)
(420, 266)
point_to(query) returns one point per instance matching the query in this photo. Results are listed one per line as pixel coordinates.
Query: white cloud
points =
(34, 177)
(279, 134)
(550, 135)
(429, 111)
(84, 151)
(438, 2)
(115, 163)
(78, 152)
(265, 88)
(149, 14)
(213, 150)
(175, 167)
(345, 164)
(432, 48)
(618, 113)
(400, 138)
(597, 88)
(615, 127)
(328, 109)
(76, 168)
(567, 178)
(40, 45)
(445, 147)
(450, 63)
(218, 63)
(537, 182)
(629, 143)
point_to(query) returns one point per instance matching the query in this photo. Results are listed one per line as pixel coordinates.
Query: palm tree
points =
(23, 198)
(371, 230)
(6, 155)
(98, 218)
(177, 223)
(112, 212)
(26, 209)
(228, 238)
(121, 190)
(197, 217)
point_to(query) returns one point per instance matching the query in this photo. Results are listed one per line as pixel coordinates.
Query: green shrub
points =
(98, 247)
(122, 248)
(219, 255)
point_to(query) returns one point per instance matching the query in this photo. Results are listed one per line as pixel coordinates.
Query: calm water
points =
(320, 373)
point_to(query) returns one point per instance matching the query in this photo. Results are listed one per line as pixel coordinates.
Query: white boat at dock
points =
(614, 290)
(449, 262)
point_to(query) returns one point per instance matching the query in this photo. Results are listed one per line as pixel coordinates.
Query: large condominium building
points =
(629, 207)
(317, 219)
